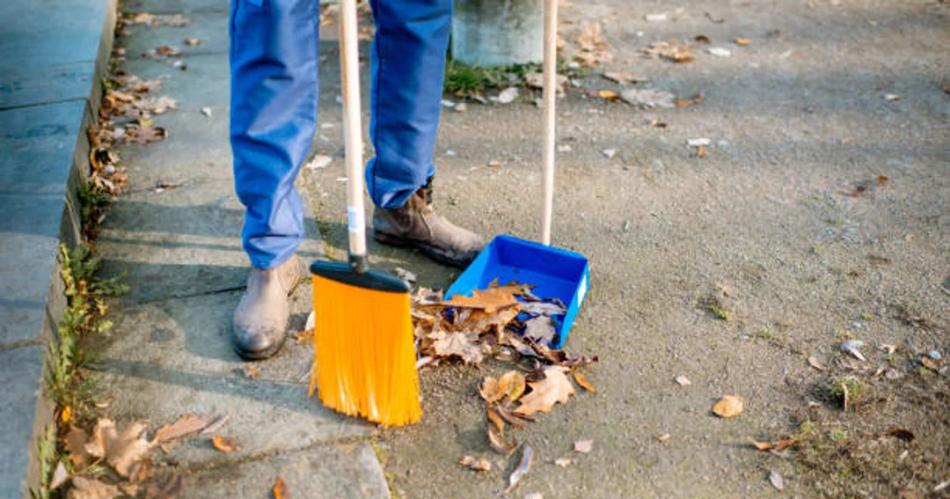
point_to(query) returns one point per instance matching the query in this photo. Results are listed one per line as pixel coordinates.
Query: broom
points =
(364, 357)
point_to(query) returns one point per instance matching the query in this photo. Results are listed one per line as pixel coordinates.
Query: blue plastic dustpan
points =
(555, 273)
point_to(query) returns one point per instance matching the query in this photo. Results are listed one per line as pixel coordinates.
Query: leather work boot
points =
(260, 321)
(417, 225)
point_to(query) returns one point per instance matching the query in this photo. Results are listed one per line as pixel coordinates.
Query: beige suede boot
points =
(259, 327)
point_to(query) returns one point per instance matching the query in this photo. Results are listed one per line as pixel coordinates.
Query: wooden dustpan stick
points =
(550, 97)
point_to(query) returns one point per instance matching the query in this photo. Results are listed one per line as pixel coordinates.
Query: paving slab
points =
(341, 471)
(23, 413)
(166, 359)
(39, 144)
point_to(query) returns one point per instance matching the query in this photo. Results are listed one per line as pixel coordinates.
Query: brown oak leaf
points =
(554, 388)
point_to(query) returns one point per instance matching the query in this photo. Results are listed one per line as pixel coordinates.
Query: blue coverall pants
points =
(274, 94)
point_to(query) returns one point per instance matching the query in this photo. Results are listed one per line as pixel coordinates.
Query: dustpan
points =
(555, 272)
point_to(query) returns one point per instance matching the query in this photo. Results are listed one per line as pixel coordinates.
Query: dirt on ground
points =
(818, 215)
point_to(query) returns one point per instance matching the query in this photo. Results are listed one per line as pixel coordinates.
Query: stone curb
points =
(53, 57)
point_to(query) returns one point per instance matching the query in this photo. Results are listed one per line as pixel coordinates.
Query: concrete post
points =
(497, 32)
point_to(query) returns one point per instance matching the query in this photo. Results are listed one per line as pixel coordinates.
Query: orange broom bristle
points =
(364, 356)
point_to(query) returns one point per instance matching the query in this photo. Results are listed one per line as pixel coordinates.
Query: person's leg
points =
(408, 69)
(408, 65)
(273, 115)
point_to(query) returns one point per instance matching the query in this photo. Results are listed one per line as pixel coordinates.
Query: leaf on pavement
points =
(554, 388)
(280, 488)
(76, 441)
(60, 475)
(777, 445)
(583, 446)
(647, 97)
(498, 443)
(224, 444)
(495, 418)
(89, 488)
(489, 300)
(524, 466)
(463, 345)
(583, 382)
(186, 425)
(120, 449)
(673, 52)
(776, 480)
(691, 101)
(728, 406)
(475, 464)
(624, 77)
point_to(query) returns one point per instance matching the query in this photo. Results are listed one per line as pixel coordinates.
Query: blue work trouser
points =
(274, 108)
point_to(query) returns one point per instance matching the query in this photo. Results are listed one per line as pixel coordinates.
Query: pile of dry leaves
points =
(509, 324)
(108, 461)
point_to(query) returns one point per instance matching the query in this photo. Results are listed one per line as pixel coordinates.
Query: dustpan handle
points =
(549, 97)
(352, 133)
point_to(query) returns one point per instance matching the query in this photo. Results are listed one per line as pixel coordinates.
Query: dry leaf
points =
(224, 444)
(121, 450)
(778, 445)
(728, 406)
(563, 462)
(498, 443)
(489, 300)
(624, 77)
(507, 95)
(583, 446)
(542, 308)
(280, 489)
(813, 362)
(647, 97)
(495, 418)
(663, 438)
(583, 382)
(554, 388)
(463, 345)
(592, 46)
(700, 152)
(682, 380)
(742, 42)
(540, 330)
(776, 480)
(66, 415)
(524, 466)
(186, 425)
(899, 433)
(479, 464)
(512, 383)
(89, 488)
(702, 39)
(249, 371)
(215, 425)
(76, 441)
(60, 475)
(692, 101)
(608, 95)
(673, 52)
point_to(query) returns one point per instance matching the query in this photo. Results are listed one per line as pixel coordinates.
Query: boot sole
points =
(427, 250)
(261, 355)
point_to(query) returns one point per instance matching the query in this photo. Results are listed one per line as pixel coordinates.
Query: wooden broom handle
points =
(352, 129)
(550, 96)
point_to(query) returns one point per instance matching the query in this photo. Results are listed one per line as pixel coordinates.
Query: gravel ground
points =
(773, 224)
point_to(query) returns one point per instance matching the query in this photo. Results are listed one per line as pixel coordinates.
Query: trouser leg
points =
(273, 115)
(408, 68)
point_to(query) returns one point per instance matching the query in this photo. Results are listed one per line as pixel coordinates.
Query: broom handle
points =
(352, 133)
(550, 96)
